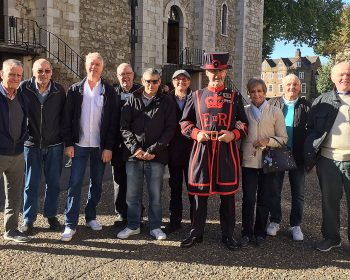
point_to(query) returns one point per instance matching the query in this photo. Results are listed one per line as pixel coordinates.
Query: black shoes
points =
(172, 227)
(54, 224)
(259, 241)
(190, 241)
(27, 228)
(327, 245)
(230, 242)
(244, 241)
(17, 236)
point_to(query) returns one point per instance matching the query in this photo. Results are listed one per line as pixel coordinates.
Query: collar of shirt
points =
(6, 93)
(46, 91)
(95, 89)
(345, 93)
(290, 102)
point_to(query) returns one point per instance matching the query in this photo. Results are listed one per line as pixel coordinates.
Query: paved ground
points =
(99, 255)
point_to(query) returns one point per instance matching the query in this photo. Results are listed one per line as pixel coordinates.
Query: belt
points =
(213, 134)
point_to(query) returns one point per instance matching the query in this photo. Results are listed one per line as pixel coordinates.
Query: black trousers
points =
(257, 193)
(120, 185)
(227, 215)
(177, 173)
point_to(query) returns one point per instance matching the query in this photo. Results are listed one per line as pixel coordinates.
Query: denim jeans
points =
(38, 160)
(297, 187)
(153, 172)
(97, 168)
(334, 179)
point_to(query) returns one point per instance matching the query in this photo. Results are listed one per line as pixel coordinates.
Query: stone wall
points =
(105, 28)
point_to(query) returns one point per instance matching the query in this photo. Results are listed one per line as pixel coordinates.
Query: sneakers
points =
(94, 225)
(54, 224)
(16, 236)
(272, 229)
(67, 234)
(127, 232)
(69, 163)
(27, 228)
(327, 245)
(297, 233)
(158, 234)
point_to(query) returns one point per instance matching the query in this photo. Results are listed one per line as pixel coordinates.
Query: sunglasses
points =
(151, 81)
(46, 71)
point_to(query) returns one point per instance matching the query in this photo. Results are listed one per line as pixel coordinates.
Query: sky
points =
(288, 50)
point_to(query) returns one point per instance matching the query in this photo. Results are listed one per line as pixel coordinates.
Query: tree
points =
(299, 21)
(324, 82)
(339, 40)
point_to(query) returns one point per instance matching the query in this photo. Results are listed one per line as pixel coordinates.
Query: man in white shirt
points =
(89, 130)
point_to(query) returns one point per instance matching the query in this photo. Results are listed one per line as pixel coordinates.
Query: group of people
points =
(206, 137)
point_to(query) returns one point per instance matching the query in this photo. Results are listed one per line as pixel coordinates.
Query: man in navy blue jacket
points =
(13, 114)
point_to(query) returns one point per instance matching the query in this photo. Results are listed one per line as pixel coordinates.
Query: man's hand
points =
(69, 151)
(202, 137)
(147, 156)
(227, 136)
(139, 153)
(106, 156)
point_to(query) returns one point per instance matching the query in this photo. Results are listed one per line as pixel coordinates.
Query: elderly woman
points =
(266, 129)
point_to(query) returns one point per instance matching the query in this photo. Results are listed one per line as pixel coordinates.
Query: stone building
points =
(305, 67)
(166, 34)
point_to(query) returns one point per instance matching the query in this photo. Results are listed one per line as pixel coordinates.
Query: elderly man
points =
(209, 118)
(179, 152)
(13, 128)
(43, 151)
(124, 89)
(148, 124)
(295, 110)
(89, 130)
(328, 146)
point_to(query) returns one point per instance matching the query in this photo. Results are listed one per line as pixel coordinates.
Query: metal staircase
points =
(27, 36)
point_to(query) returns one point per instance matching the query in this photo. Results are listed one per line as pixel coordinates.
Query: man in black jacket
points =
(13, 133)
(124, 89)
(90, 131)
(295, 110)
(147, 124)
(43, 151)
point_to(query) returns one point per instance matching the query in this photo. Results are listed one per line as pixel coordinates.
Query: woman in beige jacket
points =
(265, 122)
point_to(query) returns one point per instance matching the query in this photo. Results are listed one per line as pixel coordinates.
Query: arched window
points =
(224, 17)
(173, 41)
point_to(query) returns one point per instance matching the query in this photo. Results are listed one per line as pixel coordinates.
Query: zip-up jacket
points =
(301, 109)
(7, 145)
(72, 114)
(44, 120)
(117, 158)
(323, 112)
(148, 127)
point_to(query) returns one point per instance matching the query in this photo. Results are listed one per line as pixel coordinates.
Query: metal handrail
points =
(191, 56)
(27, 33)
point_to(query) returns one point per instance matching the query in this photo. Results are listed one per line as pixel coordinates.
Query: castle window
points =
(224, 19)
(270, 88)
(270, 75)
(303, 88)
(301, 75)
(280, 87)
(298, 63)
(280, 76)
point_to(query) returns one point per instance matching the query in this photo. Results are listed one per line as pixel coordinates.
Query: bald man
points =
(328, 147)
(43, 151)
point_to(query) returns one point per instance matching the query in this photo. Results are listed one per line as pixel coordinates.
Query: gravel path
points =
(99, 255)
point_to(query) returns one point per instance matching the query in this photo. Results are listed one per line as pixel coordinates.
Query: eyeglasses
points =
(46, 71)
(125, 74)
(181, 79)
(151, 81)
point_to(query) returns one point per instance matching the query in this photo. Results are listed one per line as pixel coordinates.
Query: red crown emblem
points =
(214, 101)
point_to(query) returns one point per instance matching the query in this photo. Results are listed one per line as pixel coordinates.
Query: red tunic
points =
(214, 165)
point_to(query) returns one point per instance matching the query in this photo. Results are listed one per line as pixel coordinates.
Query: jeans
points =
(257, 190)
(333, 177)
(38, 160)
(97, 168)
(136, 171)
(297, 187)
(11, 167)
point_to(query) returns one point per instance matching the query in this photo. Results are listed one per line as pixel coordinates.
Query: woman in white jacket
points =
(265, 122)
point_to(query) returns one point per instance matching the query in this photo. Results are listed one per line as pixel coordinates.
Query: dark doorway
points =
(173, 43)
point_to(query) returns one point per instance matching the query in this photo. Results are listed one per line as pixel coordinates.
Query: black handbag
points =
(277, 159)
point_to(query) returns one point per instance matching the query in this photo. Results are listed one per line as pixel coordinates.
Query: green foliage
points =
(299, 21)
(324, 82)
(338, 40)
